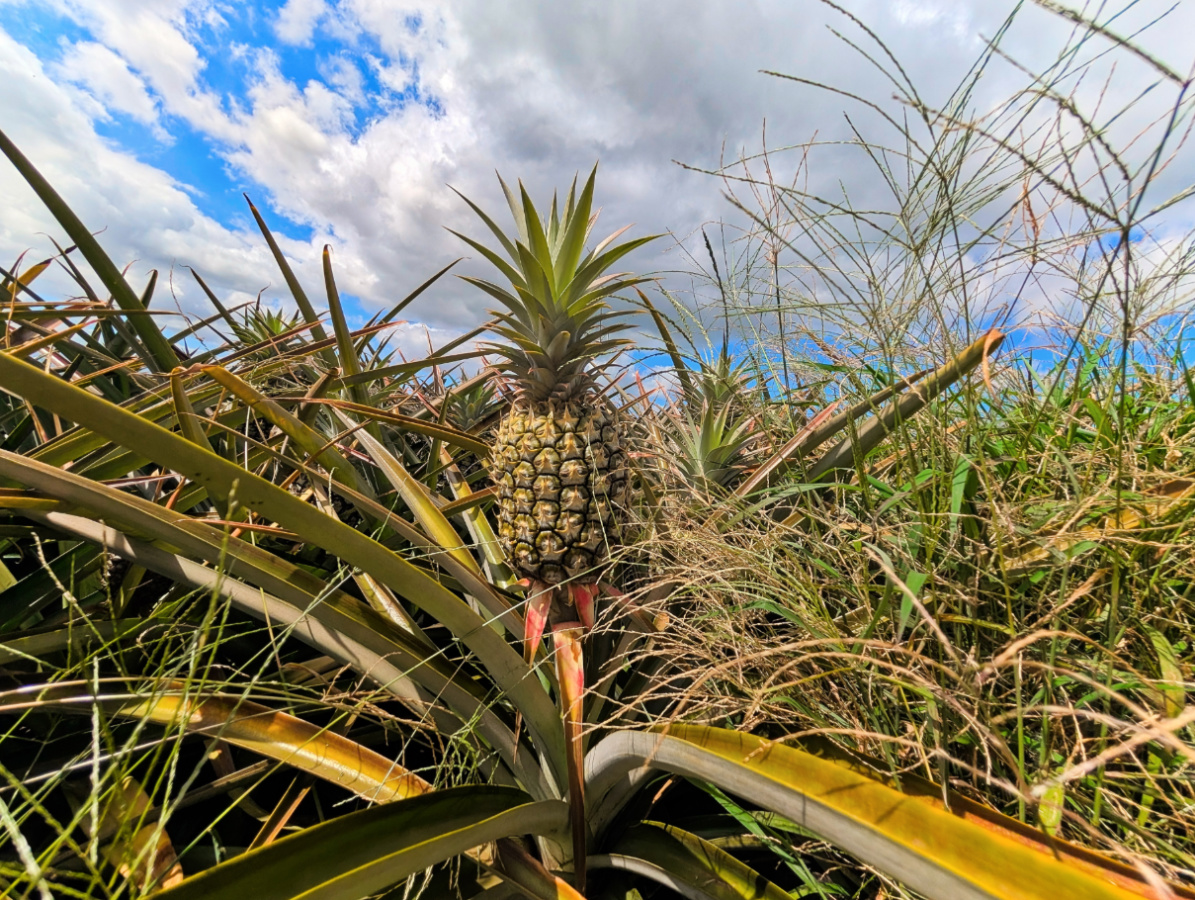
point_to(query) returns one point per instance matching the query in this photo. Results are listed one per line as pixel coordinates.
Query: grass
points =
(1001, 597)
(990, 607)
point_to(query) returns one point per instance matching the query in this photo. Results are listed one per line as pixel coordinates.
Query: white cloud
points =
(538, 90)
(297, 20)
(156, 40)
(109, 78)
(148, 219)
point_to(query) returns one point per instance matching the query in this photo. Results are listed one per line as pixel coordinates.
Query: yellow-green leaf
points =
(967, 852)
(368, 851)
(687, 864)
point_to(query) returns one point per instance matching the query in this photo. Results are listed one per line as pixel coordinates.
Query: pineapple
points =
(559, 460)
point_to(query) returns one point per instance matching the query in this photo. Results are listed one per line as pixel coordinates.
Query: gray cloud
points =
(535, 90)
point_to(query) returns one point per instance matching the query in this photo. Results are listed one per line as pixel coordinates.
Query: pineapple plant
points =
(559, 460)
(398, 688)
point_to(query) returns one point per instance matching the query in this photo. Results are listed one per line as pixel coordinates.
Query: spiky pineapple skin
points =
(562, 476)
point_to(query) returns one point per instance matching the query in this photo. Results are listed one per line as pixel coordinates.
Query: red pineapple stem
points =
(570, 673)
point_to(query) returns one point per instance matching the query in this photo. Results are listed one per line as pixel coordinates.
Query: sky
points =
(347, 121)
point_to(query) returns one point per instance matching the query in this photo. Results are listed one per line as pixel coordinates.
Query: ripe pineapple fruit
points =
(558, 459)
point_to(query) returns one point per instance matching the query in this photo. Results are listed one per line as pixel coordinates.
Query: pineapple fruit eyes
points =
(561, 477)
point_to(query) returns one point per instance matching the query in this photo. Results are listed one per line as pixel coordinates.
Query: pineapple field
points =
(856, 571)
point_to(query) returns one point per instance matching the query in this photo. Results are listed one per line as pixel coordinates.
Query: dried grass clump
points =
(1004, 605)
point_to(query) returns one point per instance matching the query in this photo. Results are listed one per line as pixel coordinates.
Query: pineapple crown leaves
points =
(555, 318)
(711, 432)
(712, 449)
(724, 381)
(711, 435)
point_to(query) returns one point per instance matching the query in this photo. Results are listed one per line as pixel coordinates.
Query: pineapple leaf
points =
(966, 851)
(275, 735)
(537, 241)
(310, 441)
(491, 224)
(518, 213)
(668, 855)
(350, 365)
(365, 852)
(282, 593)
(510, 272)
(917, 398)
(159, 354)
(577, 229)
(188, 421)
(418, 500)
(678, 362)
(503, 662)
(404, 369)
(296, 289)
(582, 281)
(434, 430)
(224, 312)
(411, 297)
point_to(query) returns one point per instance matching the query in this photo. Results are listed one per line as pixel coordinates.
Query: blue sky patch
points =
(348, 64)
(40, 28)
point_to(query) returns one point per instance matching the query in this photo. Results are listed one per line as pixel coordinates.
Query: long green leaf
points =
(691, 866)
(161, 355)
(420, 503)
(403, 369)
(437, 431)
(349, 364)
(966, 852)
(365, 852)
(917, 398)
(312, 442)
(267, 732)
(678, 361)
(503, 662)
(405, 301)
(283, 595)
(296, 289)
(76, 639)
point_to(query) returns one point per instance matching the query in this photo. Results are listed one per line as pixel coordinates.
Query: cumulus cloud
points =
(412, 97)
(108, 77)
(297, 20)
(149, 219)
